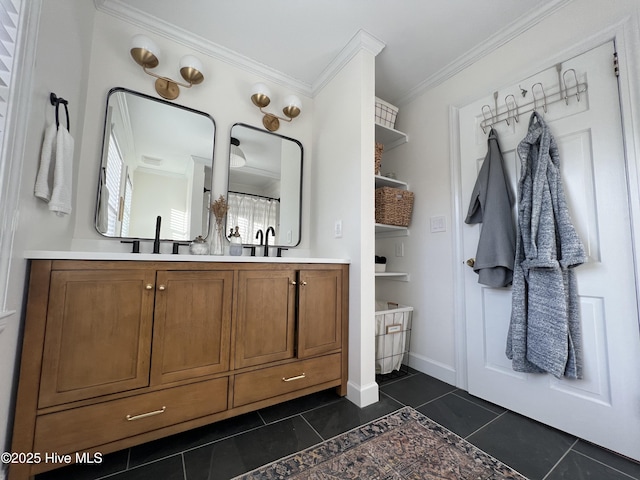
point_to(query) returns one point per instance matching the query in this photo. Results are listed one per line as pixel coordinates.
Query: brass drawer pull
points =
(144, 415)
(291, 379)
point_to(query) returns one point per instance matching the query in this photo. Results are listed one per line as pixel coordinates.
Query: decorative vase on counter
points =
(216, 245)
(199, 246)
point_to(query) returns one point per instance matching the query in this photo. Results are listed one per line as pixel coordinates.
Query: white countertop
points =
(162, 257)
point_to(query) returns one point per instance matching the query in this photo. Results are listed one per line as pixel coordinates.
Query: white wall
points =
(62, 49)
(343, 191)
(224, 94)
(426, 161)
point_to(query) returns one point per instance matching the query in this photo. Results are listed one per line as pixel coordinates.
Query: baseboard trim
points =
(438, 370)
(363, 396)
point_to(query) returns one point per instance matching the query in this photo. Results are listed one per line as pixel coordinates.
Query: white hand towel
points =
(47, 160)
(62, 174)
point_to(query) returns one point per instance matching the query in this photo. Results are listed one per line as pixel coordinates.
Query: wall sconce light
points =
(260, 96)
(145, 52)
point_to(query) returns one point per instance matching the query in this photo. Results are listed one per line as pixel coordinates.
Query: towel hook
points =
(56, 101)
(566, 89)
(515, 108)
(544, 96)
(490, 119)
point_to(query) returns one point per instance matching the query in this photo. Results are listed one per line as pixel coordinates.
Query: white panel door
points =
(604, 407)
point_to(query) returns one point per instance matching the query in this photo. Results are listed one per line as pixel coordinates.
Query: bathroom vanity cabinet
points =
(117, 353)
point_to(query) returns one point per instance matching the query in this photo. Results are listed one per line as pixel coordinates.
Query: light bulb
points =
(260, 95)
(191, 69)
(292, 106)
(145, 51)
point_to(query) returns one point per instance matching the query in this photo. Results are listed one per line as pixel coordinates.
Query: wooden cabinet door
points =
(98, 334)
(191, 333)
(265, 316)
(319, 312)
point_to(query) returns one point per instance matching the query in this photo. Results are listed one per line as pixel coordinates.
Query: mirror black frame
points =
(105, 135)
(283, 137)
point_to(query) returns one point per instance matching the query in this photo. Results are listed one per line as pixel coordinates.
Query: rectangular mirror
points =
(157, 160)
(265, 185)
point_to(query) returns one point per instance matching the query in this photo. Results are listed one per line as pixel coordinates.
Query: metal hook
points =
(523, 92)
(566, 89)
(485, 117)
(515, 108)
(559, 72)
(544, 96)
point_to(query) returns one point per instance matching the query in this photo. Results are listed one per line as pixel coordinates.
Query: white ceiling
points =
(296, 41)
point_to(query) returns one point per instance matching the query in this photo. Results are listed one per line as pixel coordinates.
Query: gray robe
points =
(491, 203)
(544, 334)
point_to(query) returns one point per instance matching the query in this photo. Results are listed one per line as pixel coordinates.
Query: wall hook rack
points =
(569, 86)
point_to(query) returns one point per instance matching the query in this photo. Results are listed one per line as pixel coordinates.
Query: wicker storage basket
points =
(378, 158)
(393, 206)
(385, 113)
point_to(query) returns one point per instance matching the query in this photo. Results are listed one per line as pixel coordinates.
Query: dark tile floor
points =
(231, 447)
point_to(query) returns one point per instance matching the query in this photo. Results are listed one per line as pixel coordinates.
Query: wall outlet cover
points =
(337, 229)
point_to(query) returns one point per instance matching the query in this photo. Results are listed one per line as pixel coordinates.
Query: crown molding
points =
(129, 14)
(362, 40)
(498, 39)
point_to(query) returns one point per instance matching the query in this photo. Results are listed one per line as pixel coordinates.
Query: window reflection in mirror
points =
(157, 160)
(265, 185)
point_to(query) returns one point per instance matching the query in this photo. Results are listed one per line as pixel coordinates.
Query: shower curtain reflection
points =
(252, 213)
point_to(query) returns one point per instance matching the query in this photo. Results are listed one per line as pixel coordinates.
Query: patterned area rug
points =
(403, 445)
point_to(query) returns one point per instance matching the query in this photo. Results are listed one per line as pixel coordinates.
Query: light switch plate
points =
(438, 224)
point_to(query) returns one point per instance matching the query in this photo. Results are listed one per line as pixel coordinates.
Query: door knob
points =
(162, 287)
(471, 262)
(148, 286)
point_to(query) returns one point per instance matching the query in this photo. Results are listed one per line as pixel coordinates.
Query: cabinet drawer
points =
(80, 428)
(270, 382)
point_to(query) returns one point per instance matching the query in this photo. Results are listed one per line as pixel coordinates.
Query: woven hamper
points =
(393, 206)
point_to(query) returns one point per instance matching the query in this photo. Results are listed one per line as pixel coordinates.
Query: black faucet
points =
(266, 240)
(176, 247)
(136, 245)
(156, 242)
(260, 234)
